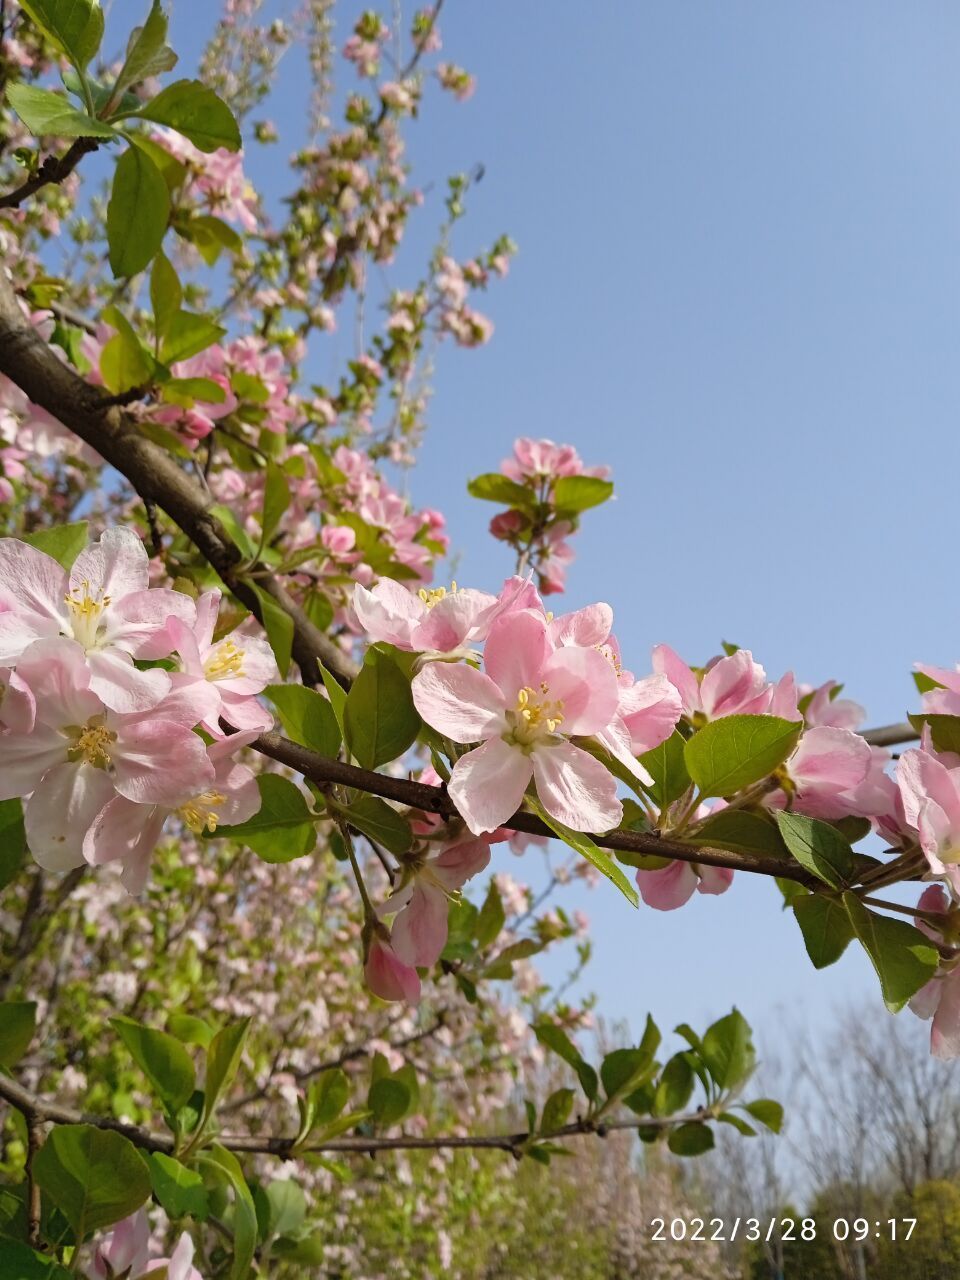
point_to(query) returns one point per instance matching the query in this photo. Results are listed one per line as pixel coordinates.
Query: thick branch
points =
(889, 735)
(324, 770)
(53, 170)
(32, 1106)
(29, 362)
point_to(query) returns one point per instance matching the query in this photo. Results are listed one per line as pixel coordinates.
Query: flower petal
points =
(487, 784)
(61, 811)
(458, 701)
(116, 566)
(516, 651)
(575, 788)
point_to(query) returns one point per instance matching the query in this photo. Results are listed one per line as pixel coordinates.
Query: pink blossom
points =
(735, 685)
(541, 460)
(103, 603)
(831, 772)
(126, 1252)
(930, 792)
(825, 708)
(386, 974)
(940, 998)
(515, 710)
(80, 754)
(421, 902)
(126, 831)
(432, 621)
(673, 885)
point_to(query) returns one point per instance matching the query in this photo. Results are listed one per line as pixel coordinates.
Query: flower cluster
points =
(104, 681)
(126, 1252)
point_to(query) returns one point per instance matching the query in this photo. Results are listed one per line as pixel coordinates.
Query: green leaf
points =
(732, 753)
(389, 1100)
(825, 926)
(278, 625)
(276, 499)
(373, 817)
(13, 841)
(187, 334)
(190, 1030)
(223, 1061)
(668, 768)
(148, 54)
(179, 1190)
(556, 1110)
(94, 1176)
(74, 26)
(187, 391)
(63, 543)
(327, 1096)
(163, 1060)
(18, 1020)
(212, 236)
(556, 1039)
(283, 829)
(20, 1262)
(492, 917)
(674, 1086)
(225, 1165)
(741, 832)
(380, 720)
(903, 957)
(336, 693)
(819, 847)
(307, 717)
(51, 115)
(137, 214)
(768, 1113)
(195, 111)
(624, 1070)
(573, 494)
(288, 1207)
(945, 730)
(738, 1123)
(493, 487)
(728, 1051)
(692, 1139)
(166, 295)
(583, 845)
(235, 530)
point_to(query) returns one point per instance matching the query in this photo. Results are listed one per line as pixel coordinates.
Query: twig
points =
(53, 170)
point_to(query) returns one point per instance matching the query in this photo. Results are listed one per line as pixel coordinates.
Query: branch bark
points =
(53, 171)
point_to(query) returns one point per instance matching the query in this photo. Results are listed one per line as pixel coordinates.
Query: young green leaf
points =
(380, 720)
(137, 214)
(307, 717)
(556, 1110)
(166, 295)
(279, 628)
(492, 917)
(94, 1176)
(825, 926)
(283, 829)
(50, 114)
(63, 542)
(581, 842)
(573, 494)
(74, 26)
(148, 54)
(276, 499)
(667, 767)
(223, 1061)
(162, 1058)
(737, 751)
(187, 334)
(18, 1019)
(179, 1190)
(674, 1086)
(553, 1037)
(819, 847)
(692, 1139)
(493, 487)
(13, 841)
(768, 1113)
(903, 957)
(192, 109)
(376, 819)
(728, 1051)
(223, 1164)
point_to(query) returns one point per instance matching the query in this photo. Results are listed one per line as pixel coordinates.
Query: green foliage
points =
(582, 844)
(94, 1176)
(63, 543)
(283, 828)
(903, 957)
(574, 494)
(13, 841)
(195, 111)
(556, 1039)
(18, 1020)
(667, 766)
(307, 717)
(179, 1190)
(186, 334)
(279, 628)
(493, 487)
(124, 361)
(74, 26)
(691, 1139)
(825, 926)
(373, 817)
(380, 720)
(224, 1166)
(51, 115)
(741, 832)
(223, 1062)
(819, 847)
(737, 751)
(162, 1059)
(727, 1050)
(137, 214)
(148, 54)
(20, 1262)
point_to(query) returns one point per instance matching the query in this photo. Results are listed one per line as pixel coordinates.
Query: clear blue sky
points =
(739, 228)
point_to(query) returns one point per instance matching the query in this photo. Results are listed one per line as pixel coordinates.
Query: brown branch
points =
(53, 170)
(30, 1105)
(30, 363)
(889, 735)
(417, 795)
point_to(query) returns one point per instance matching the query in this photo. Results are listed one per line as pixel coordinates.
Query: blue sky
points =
(737, 284)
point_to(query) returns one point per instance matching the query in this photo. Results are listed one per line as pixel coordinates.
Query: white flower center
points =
(536, 716)
(201, 811)
(91, 744)
(224, 661)
(86, 612)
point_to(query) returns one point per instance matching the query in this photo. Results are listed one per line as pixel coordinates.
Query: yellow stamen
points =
(200, 811)
(86, 611)
(225, 661)
(535, 714)
(92, 744)
(435, 594)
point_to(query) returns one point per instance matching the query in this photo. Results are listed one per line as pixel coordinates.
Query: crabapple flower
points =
(126, 1252)
(939, 999)
(671, 886)
(386, 974)
(830, 774)
(126, 831)
(104, 604)
(419, 930)
(80, 754)
(18, 710)
(825, 708)
(437, 621)
(543, 460)
(223, 675)
(735, 685)
(930, 792)
(515, 710)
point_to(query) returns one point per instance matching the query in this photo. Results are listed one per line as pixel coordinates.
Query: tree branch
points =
(889, 735)
(30, 363)
(30, 1105)
(53, 170)
(417, 795)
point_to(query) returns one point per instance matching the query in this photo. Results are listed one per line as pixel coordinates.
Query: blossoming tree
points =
(220, 640)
